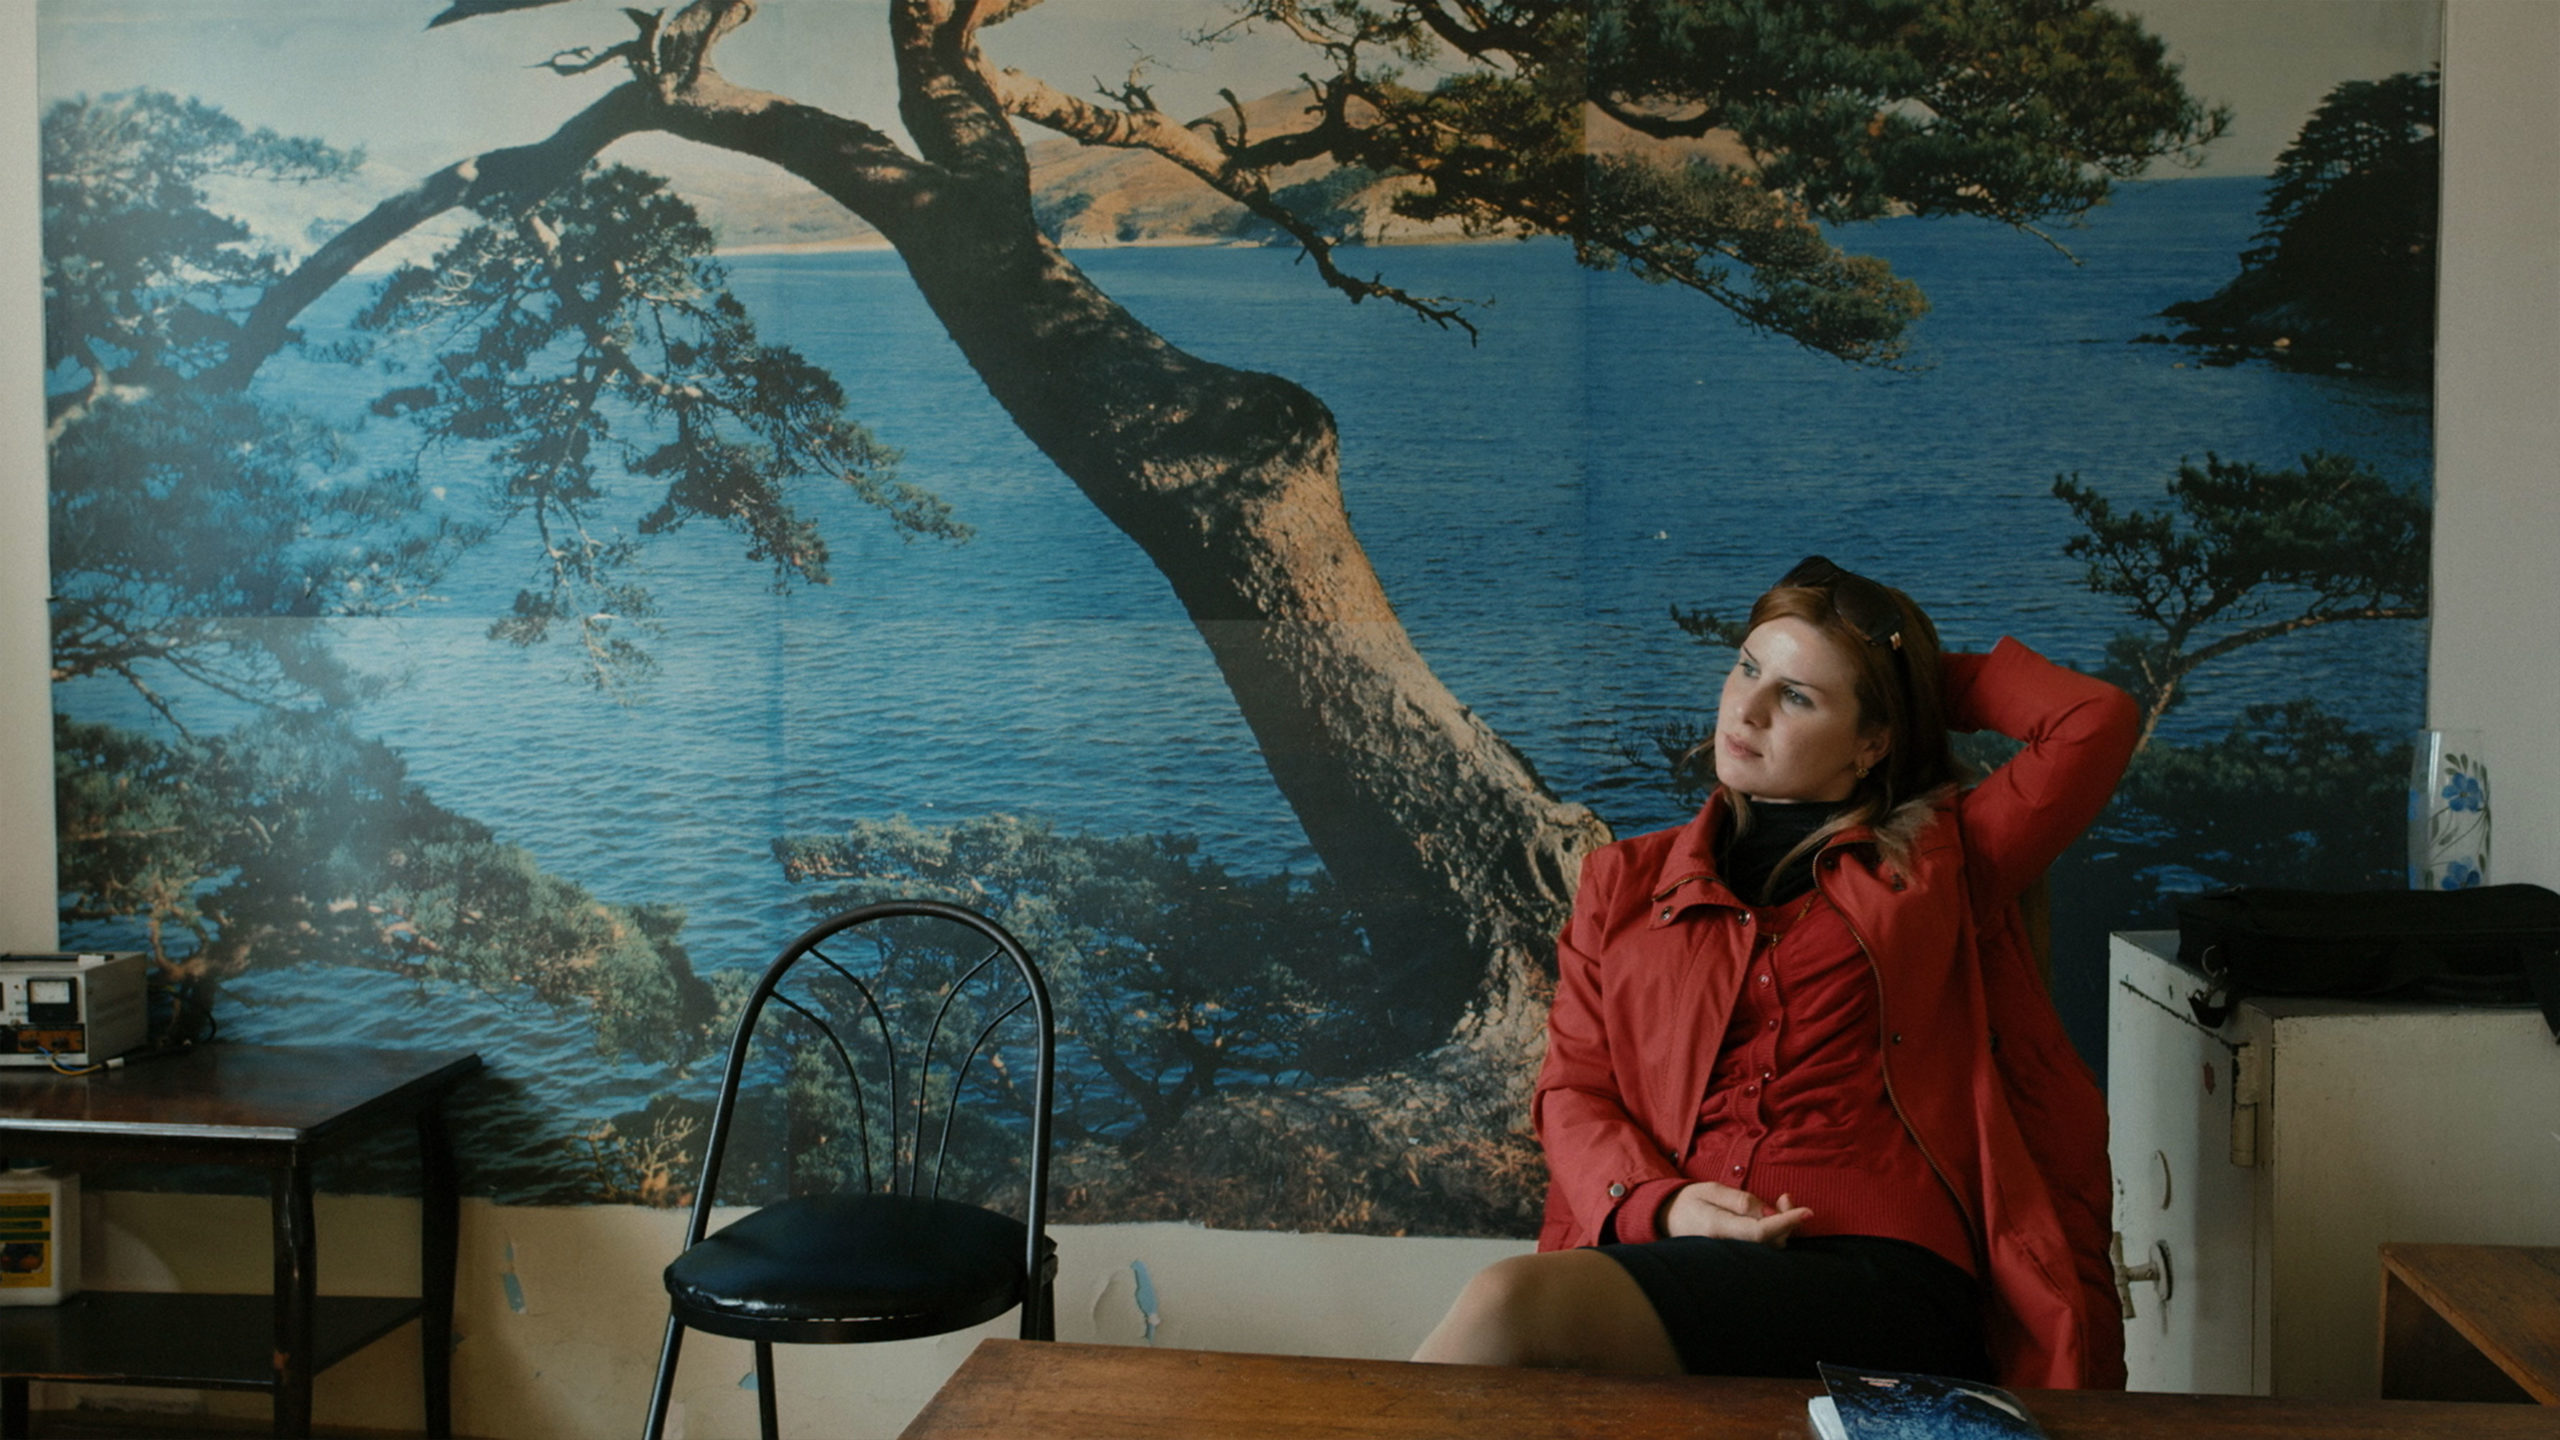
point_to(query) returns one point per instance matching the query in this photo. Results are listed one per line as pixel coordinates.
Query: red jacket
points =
(1976, 1060)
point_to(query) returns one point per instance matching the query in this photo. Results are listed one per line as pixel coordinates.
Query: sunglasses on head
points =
(1861, 602)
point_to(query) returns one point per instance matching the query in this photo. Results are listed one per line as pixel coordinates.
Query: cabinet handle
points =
(2157, 1274)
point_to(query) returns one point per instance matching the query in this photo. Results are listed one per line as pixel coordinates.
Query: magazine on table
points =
(1890, 1405)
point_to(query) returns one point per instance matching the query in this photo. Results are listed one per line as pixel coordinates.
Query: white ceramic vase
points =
(2449, 811)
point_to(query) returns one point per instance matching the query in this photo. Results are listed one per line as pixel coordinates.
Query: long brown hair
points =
(1892, 649)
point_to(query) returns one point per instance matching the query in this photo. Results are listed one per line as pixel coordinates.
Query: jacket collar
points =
(1687, 875)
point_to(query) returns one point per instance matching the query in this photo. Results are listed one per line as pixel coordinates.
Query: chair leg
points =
(1040, 1312)
(767, 1416)
(666, 1386)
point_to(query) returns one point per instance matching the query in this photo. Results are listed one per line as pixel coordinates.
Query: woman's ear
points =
(1874, 743)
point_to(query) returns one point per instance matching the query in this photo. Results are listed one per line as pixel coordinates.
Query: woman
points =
(1805, 1098)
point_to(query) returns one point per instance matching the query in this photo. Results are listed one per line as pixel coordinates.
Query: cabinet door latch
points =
(2248, 1098)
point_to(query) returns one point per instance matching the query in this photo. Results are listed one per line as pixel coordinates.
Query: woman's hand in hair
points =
(1720, 1212)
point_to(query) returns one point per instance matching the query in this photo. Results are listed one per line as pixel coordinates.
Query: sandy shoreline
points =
(1162, 242)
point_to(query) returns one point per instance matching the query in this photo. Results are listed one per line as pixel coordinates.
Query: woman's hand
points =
(1721, 1212)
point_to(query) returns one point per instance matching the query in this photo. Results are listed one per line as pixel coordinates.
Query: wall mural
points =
(547, 498)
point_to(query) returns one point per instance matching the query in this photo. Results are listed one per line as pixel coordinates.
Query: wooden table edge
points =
(2063, 1413)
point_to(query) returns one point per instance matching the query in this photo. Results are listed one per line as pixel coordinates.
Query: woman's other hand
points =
(1721, 1212)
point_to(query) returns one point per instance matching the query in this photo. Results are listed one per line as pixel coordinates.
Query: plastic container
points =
(39, 1236)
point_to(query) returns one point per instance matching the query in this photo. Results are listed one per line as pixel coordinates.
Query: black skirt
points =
(1737, 1307)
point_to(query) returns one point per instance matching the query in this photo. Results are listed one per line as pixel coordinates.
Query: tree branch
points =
(1285, 15)
(996, 12)
(679, 51)
(1043, 104)
(1658, 127)
(71, 407)
(675, 89)
(523, 170)
(946, 100)
(2177, 666)
(1478, 34)
(1331, 135)
(2274, 628)
(1205, 160)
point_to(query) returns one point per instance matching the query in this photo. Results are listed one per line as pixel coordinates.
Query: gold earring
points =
(1862, 772)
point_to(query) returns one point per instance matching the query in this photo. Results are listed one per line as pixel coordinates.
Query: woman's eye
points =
(1749, 670)
(1797, 697)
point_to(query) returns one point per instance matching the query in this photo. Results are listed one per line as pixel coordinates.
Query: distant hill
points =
(1093, 197)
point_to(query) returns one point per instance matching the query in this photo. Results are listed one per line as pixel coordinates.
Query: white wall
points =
(558, 1313)
(26, 759)
(574, 1359)
(2494, 663)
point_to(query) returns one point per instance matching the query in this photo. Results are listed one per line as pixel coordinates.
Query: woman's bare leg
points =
(1565, 1309)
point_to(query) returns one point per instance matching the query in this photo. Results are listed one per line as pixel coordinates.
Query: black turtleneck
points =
(1748, 860)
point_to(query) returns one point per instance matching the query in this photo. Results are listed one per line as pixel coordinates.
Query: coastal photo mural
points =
(549, 498)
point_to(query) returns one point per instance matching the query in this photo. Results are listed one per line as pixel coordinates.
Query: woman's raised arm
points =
(2079, 732)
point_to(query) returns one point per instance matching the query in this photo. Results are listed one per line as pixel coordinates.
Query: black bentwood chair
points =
(876, 1065)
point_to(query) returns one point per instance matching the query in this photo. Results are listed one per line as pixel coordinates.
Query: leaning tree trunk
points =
(1229, 481)
(1460, 858)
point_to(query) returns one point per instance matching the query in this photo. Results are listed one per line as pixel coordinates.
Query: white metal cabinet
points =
(2269, 1156)
(2180, 1204)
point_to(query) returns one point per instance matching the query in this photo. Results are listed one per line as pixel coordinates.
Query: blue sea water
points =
(1536, 504)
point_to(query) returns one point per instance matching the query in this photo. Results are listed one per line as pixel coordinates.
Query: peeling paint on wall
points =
(1145, 1295)
(508, 1281)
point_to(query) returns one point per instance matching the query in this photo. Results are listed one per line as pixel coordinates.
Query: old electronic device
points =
(71, 1009)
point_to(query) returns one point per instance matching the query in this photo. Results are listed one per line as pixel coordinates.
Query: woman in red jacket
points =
(1805, 1098)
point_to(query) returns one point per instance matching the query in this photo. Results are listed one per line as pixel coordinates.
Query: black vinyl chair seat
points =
(904, 1043)
(871, 1266)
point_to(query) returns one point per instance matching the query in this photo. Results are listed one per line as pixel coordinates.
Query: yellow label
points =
(26, 1242)
(60, 1042)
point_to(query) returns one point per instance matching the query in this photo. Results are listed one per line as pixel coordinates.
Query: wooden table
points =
(2471, 1322)
(1037, 1390)
(274, 1108)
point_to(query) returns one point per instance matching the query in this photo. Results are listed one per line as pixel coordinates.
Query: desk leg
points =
(440, 1243)
(13, 1407)
(296, 1264)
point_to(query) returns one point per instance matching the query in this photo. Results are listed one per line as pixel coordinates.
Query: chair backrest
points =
(886, 1059)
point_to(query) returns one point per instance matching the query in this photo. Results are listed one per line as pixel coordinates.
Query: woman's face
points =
(1788, 725)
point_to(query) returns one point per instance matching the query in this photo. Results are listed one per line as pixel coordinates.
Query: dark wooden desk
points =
(2471, 1322)
(274, 1108)
(1035, 1390)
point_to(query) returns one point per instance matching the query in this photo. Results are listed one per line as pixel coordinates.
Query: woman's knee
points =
(1571, 1308)
(1511, 1297)
(1495, 1318)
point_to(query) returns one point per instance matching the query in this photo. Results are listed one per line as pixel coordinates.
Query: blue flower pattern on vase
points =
(2449, 813)
(2464, 792)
